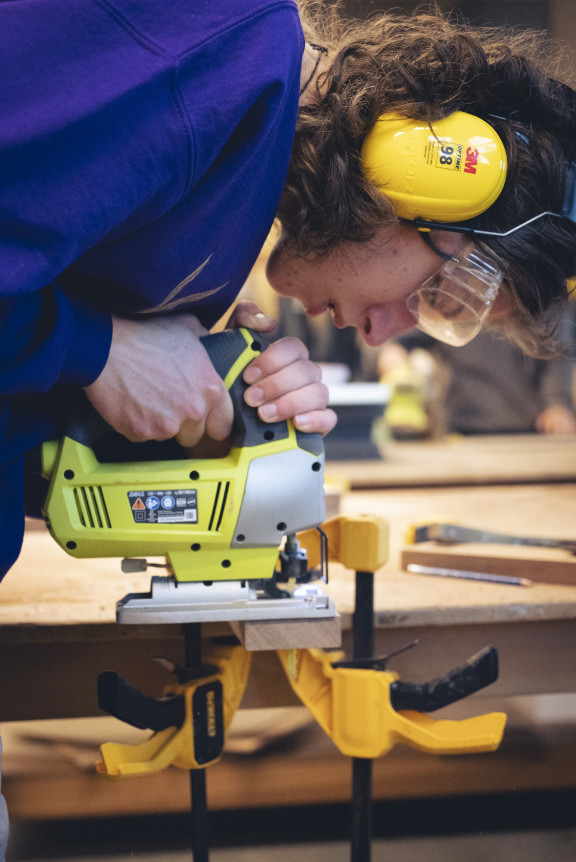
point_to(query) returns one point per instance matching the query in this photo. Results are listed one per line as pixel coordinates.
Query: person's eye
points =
(444, 304)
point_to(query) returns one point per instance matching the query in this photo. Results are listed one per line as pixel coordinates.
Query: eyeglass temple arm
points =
(568, 212)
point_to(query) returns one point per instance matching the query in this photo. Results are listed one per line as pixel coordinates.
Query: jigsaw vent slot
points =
(219, 504)
(91, 506)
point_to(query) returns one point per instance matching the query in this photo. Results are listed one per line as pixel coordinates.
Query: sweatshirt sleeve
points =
(94, 144)
(49, 337)
(120, 131)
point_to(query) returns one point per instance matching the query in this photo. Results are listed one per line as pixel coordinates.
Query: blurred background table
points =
(459, 460)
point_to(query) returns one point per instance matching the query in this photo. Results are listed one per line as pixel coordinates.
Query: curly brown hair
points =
(426, 65)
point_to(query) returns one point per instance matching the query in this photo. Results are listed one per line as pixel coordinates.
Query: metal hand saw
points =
(218, 522)
(456, 534)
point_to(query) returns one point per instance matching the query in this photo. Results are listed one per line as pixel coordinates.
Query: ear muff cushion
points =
(450, 171)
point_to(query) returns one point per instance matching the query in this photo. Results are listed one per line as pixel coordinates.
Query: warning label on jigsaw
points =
(164, 507)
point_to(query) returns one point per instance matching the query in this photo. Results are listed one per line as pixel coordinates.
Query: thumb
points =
(249, 315)
(220, 417)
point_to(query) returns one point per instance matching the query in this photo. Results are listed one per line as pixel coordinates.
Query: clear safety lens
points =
(453, 304)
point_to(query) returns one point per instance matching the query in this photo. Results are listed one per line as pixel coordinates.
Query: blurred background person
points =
(488, 386)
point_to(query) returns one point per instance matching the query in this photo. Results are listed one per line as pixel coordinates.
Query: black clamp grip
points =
(479, 671)
(121, 700)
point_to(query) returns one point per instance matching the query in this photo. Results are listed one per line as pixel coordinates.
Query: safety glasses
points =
(453, 304)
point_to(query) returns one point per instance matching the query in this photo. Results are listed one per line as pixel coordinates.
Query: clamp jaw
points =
(189, 722)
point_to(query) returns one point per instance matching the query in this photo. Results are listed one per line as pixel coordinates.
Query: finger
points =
(190, 433)
(289, 379)
(320, 421)
(308, 398)
(212, 416)
(220, 418)
(249, 315)
(278, 355)
(145, 426)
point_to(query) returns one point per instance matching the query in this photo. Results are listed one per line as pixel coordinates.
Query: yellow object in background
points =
(405, 415)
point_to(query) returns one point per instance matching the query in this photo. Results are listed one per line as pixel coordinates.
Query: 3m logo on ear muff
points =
(471, 161)
(448, 172)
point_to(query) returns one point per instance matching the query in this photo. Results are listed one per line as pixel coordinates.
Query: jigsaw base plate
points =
(170, 601)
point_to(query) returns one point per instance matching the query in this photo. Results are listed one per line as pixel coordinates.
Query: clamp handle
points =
(189, 722)
(479, 671)
(121, 700)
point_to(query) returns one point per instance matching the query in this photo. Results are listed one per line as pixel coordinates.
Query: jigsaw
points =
(218, 523)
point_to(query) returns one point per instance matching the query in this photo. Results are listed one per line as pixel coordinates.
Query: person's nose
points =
(381, 323)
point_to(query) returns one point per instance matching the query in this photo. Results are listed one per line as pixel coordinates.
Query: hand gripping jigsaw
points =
(218, 522)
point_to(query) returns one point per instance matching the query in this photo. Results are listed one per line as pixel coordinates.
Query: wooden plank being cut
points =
(288, 634)
(540, 565)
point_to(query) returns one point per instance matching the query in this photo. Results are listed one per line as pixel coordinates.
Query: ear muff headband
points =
(449, 171)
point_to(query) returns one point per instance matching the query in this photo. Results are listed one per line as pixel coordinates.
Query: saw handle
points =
(479, 671)
(230, 352)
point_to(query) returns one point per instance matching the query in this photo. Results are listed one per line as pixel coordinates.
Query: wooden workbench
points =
(58, 612)
(457, 460)
(57, 632)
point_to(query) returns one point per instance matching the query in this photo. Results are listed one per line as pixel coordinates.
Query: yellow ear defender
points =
(449, 171)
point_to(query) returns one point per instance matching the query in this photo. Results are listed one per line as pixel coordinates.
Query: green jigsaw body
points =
(215, 519)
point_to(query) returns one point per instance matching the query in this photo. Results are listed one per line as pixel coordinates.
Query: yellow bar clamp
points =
(358, 542)
(353, 707)
(209, 704)
(353, 704)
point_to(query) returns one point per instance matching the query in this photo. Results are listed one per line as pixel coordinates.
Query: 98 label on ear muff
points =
(452, 156)
(445, 155)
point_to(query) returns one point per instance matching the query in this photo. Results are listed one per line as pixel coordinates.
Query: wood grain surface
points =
(456, 460)
(47, 588)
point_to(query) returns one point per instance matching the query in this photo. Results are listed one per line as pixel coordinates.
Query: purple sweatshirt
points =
(143, 151)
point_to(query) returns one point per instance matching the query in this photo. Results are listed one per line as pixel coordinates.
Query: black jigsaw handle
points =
(479, 671)
(225, 349)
